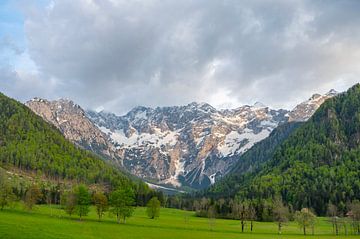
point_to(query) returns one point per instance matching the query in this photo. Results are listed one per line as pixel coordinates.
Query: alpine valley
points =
(184, 147)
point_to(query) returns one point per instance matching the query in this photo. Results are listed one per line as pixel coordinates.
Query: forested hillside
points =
(30, 144)
(251, 161)
(320, 161)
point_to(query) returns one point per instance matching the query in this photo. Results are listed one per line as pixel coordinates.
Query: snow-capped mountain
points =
(71, 120)
(305, 110)
(190, 145)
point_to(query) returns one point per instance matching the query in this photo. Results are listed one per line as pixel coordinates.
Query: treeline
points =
(273, 210)
(77, 199)
(52, 192)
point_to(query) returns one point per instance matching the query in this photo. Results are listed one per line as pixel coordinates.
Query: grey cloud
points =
(119, 54)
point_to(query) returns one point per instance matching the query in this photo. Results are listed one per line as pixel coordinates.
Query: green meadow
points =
(52, 222)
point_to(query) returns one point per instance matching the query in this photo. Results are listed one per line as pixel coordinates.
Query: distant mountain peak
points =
(258, 104)
(332, 92)
(303, 111)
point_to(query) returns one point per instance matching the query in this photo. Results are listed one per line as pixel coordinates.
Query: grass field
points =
(46, 222)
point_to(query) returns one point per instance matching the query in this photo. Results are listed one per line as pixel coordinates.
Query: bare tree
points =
(239, 210)
(251, 215)
(305, 218)
(332, 212)
(211, 213)
(354, 214)
(280, 213)
(32, 196)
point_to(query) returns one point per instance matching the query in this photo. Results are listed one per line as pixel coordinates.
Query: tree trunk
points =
(279, 228)
(242, 226)
(251, 226)
(336, 228)
(118, 218)
(304, 230)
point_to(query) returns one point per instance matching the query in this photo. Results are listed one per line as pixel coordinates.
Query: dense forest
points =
(319, 163)
(30, 144)
(316, 165)
(250, 162)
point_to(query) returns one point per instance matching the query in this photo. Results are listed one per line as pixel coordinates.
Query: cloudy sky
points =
(117, 54)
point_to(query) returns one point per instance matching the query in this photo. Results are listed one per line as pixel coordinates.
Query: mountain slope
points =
(190, 145)
(251, 162)
(71, 120)
(28, 143)
(318, 163)
(181, 146)
(303, 111)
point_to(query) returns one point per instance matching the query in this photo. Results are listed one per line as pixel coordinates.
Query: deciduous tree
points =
(122, 203)
(68, 201)
(153, 208)
(6, 192)
(101, 204)
(32, 196)
(305, 218)
(82, 201)
(280, 213)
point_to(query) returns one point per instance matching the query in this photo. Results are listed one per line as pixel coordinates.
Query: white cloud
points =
(119, 54)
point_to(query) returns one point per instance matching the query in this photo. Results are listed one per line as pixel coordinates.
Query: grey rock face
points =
(192, 145)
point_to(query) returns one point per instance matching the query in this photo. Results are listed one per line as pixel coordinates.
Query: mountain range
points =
(181, 146)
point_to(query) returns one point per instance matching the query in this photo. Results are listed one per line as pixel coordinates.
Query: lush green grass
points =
(46, 222)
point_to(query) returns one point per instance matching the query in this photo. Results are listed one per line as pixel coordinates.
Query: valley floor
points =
(46, 222)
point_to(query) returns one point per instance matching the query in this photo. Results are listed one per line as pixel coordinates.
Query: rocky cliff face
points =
(306, 109)
(190, 145)
(71, 120)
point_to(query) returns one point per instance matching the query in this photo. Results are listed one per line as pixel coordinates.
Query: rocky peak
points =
(191, 145)
(259, 105)
(304, 110)
(332, 92)
(71, 120)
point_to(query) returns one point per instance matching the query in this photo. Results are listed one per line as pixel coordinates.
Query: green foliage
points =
(82, 200)
(251, 161)
(32, 196)
(281, 213)
(122, 203)
(153, 208)
(317, 163)
(7, 196)
(101, 203)
(305, 218)
(28, 143)
(68, 201)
